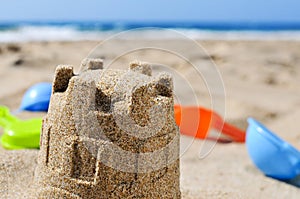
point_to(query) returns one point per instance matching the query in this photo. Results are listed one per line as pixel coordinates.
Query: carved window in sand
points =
(84, 162)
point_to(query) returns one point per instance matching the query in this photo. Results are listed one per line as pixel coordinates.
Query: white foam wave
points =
(68, 33)
(242, 35)
(46, 33)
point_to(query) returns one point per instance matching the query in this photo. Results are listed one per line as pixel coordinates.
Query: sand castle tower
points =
(109, 134)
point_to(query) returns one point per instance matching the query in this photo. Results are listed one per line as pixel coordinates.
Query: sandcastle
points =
(109, 134)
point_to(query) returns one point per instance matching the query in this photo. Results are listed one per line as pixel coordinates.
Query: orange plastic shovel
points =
(203, 123)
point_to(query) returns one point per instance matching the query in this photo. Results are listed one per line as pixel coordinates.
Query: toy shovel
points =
(37, 97)
(19, 134)
(202, 123)
(271, 154)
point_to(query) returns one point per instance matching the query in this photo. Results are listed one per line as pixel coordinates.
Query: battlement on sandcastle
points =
(109, 134)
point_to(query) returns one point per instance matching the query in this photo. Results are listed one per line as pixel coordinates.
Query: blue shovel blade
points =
(37, 97)
(272, 155)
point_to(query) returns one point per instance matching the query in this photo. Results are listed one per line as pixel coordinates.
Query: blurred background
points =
(31, 20)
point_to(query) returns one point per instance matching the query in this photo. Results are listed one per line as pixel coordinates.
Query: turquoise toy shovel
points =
(19, 134)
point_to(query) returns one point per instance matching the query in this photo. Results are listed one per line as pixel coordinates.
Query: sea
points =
(95, 30)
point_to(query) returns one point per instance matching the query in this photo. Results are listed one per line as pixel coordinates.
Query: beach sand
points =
(261, 79)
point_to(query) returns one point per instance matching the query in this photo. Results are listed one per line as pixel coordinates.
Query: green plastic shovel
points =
(19, 134)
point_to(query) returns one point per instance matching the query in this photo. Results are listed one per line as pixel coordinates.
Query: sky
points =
(151, 10)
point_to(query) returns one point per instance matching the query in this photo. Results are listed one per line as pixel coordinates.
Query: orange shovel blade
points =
(188, 120)
(197, 122)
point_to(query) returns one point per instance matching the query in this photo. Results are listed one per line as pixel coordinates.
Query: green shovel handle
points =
(6, 119)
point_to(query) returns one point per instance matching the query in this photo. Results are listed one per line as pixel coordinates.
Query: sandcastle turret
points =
(109, 134)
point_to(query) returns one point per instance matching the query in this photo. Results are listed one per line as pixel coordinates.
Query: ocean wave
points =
(29, 33)
(44, 33)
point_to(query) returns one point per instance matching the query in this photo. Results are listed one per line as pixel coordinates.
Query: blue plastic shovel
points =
(37, 97)
(272, 155)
